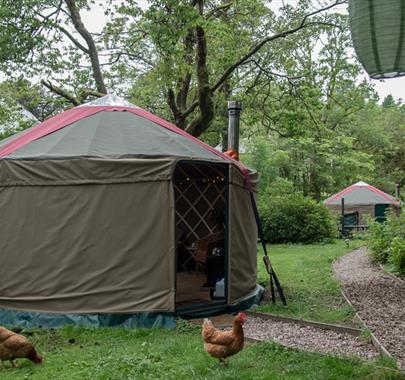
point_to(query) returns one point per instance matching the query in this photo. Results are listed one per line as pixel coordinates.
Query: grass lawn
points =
(305, 273)
(118, 354)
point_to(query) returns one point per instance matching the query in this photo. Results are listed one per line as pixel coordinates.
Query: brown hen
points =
(13, 346)
(222, 344)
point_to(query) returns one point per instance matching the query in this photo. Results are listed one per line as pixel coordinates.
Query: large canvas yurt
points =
(361, 201)
(110, 215)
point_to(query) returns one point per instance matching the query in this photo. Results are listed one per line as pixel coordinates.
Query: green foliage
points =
(307, 117)
(397, 257)
(380, 132)
(307, 165)
(184, 326)
(386, 241)
(295, 218)
(388, 101)
(378, 241)
(22, 105)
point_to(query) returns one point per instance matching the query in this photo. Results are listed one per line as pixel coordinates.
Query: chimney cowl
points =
(234, 105)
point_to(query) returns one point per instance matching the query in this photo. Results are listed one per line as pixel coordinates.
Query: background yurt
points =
(359, 201)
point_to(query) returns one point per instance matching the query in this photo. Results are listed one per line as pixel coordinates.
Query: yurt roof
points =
(109, 127)
(361, 193)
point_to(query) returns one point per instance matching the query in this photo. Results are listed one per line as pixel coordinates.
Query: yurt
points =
(360, 201)
(110, 215)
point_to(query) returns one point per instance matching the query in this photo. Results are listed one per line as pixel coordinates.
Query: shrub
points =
(386, 241)
(378, 242)
(295, 218)
(397, 257)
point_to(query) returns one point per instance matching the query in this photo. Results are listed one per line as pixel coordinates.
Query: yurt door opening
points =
(201, 202)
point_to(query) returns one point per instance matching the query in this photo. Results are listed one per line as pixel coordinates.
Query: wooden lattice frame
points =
(201, 186)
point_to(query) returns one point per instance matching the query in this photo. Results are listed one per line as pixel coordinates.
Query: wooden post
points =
(397, 190)
(343, 216)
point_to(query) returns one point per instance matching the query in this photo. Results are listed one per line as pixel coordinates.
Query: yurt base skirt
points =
(50, 320)
(28, 319)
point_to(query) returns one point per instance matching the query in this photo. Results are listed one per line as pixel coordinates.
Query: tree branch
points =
(191, 109)
(178, 103)
(272, 73)
(274, 37)
(71, 38)
(84, 93)
(185, 81)
(219, 8)
(53, 23)
(61, 92)
(172, 103)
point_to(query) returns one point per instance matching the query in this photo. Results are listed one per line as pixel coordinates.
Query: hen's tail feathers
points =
(207, 330)
(207, 322)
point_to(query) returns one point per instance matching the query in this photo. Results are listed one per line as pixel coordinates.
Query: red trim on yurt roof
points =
(353, 187)
(46, 127)
(339, 194)
(380, 192)
(70, 116)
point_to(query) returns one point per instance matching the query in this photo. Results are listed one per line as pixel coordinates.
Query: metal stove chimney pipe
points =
(234, 109)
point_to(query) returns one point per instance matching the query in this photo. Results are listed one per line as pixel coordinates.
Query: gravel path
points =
(308, 338)
(378, 297)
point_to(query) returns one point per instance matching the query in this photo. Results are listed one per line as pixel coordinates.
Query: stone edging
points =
(393, 276)
(380, 347)
(326, 326)
(303, 322)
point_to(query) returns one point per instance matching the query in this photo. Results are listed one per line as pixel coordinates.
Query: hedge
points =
(295, 219)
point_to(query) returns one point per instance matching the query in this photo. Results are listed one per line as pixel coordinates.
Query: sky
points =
(394, 86)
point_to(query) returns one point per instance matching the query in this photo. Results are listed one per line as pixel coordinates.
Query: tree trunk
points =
(314, 185)
(92, 49)
(205, 97)
(225, 91)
